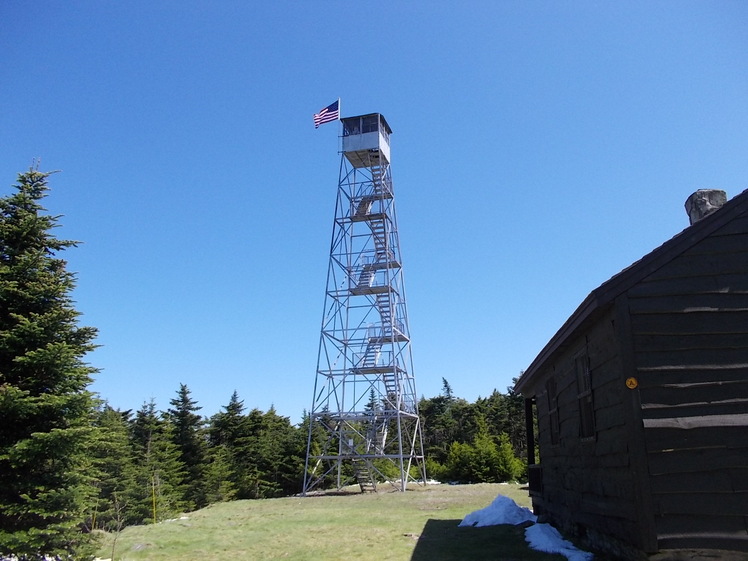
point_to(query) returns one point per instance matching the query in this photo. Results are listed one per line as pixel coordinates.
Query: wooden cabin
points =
(642, 400)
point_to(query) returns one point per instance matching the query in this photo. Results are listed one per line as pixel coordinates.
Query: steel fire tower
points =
(363, 425)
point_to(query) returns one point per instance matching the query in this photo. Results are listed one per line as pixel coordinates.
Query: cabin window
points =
(370, 123)
(351, 126)
(552, 396)
(584, 396)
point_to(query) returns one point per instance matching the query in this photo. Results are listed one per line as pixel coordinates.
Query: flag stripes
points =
(328, 114)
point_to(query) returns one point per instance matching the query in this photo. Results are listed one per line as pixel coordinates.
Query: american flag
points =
(327, 115)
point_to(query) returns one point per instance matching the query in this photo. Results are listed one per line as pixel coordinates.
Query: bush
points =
(510, 468)
(483, 461)
(436, 471)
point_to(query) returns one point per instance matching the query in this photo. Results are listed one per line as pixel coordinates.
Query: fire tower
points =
(363, 425)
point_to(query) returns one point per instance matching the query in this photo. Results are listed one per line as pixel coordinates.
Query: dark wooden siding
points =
(587, 483)
(689, 322)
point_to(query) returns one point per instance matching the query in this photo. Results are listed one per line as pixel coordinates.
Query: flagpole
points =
(340, 120)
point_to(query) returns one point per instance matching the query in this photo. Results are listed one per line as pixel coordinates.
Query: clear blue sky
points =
(538, 149)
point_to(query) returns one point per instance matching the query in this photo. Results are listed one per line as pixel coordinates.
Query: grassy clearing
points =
(418, 525)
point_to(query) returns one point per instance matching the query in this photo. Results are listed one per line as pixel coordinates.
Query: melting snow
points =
(545, 537)
(542, 537)
(502, 510)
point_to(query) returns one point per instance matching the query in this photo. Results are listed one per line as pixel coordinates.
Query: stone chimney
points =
(704, 202)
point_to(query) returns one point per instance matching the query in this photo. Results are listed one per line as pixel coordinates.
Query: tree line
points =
(71, 464)
(155, 464)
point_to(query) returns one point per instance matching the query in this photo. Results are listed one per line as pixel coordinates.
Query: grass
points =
(418, 525)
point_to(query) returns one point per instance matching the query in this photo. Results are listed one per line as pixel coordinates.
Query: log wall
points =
(588, 485)
(689, 324)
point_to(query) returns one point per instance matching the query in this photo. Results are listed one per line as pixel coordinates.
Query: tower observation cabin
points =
(364, 426)
(366, 140)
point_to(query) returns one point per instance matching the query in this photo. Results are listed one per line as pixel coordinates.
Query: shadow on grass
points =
(443, 540)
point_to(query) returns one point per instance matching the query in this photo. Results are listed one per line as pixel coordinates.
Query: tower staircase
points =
(366, 277)
(363, 475)
(372, 353)
(376, 436)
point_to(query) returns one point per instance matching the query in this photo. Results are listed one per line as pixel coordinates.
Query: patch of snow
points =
(544, 537)
(502, 510)
(541, 537)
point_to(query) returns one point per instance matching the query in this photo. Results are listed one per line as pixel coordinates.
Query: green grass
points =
(418, 525)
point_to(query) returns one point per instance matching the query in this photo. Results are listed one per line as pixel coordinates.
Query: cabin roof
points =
(604, 295)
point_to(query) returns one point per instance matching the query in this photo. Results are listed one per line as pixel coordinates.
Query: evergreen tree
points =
(224, 468)
(269, 456)
(225, 427)
(284, 459)
(187, 434)
(435, 430)
(495, 410)
(481, 441)
(45, 408)
(160, 474)
(373, 405)
(459, 463)
(445, 419)
(116, 480)
(220, 475)
(447, 392)
(510, 467)
(253, 453)
(484, 462)
(516, 429)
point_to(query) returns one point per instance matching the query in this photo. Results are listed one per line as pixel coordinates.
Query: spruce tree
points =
(45, 407)
(223, 472)
(160, 473)
(282, 457)
(187, 434)
(117, 472)
(225, 426)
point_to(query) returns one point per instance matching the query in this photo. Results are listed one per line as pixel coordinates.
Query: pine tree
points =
(485, 456)
(510, 468)
(117, 472)
(220, 475)
(188, 436)
(517, 430)
(160, 474)
(283, 454)
(223, 471)
(225, 426)
(45, 408)
(249, 450)
(269, 456)
(447, 392)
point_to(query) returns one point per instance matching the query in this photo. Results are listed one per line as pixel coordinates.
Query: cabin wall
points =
(588, 489)
(689, 326)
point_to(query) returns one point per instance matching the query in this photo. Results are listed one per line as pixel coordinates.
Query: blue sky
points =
(538, 148)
